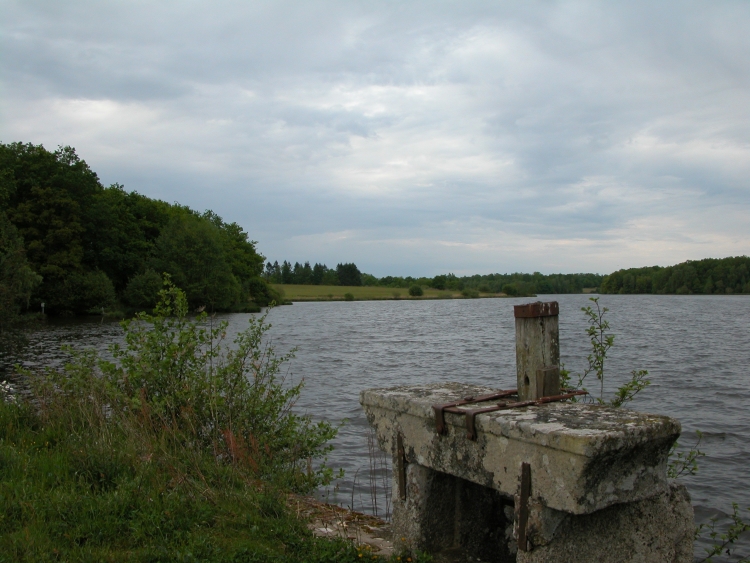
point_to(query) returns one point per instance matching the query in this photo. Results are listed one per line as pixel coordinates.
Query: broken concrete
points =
(589, 464)
(659, 529)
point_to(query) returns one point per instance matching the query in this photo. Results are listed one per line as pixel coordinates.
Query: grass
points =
(65, 499)
(294, 292)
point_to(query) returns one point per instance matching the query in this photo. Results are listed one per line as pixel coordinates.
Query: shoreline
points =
(326, 520)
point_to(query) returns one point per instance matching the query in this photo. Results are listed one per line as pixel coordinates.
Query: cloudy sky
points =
(413, 138)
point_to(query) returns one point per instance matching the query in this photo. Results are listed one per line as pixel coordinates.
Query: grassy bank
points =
(64, 497)
(294, 292)
(178, 450)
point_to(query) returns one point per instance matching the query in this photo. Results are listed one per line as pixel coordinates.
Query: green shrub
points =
(86, 292)
(262, 293)
(348, 297)
(176, 389)
(416, 291)
(510, 290)
(142, 291)
(470, 293)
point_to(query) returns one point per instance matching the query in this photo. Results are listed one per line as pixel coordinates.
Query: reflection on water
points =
(696, 349)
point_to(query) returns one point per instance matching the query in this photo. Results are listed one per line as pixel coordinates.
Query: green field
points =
(361, 293)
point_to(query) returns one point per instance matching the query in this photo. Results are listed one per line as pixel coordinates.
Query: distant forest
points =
(709, 276)
(510, 284)
(79, 247)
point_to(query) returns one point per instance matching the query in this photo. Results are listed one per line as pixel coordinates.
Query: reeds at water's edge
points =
(379, 475)
(376, 487)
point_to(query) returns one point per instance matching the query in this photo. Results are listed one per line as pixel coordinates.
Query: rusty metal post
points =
(523, 506)
(401, 466)
(537, 350)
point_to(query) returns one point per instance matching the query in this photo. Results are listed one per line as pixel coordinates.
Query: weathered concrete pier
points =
(525, 475)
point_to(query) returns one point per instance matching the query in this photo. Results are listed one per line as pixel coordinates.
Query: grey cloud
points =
(400, 124)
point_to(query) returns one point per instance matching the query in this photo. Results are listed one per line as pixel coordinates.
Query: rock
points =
(659, 529)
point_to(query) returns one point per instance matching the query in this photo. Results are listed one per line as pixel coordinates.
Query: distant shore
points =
(293, 292)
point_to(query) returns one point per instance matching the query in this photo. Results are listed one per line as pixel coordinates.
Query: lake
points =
(696, 349)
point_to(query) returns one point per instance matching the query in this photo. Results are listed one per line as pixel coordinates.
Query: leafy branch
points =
(724, 542)
(601, 342)
(684, 463)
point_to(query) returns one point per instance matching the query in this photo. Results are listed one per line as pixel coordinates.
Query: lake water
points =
(696, 349)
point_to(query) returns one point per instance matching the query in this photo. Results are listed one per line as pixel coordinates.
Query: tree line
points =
(708, 276)
(80, 247)
(320, 274)
(510, 284)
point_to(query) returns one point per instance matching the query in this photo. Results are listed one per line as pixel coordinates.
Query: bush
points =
(348, 297)
(177, 392)
(470, 293)
(439, 282)
(416, 291)
(510, 290)
(142, 291)
(90, 292)
(262, 293)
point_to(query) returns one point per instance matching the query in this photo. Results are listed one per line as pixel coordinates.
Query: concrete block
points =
(583, 457)
(659, 529)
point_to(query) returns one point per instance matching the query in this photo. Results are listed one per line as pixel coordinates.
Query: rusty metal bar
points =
(401, 463)
(471, 414)
(440, 409)
(523, 508)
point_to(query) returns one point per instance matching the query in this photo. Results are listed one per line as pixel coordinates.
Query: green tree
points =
(263, 294)
(51, 191)
(349, 274)
(191, 250)
(142, 291)
(439, 282)
(330, 277)
(510, 290)
(318, 273)
(239, 250)
(120, 232)
(17, 282)
(286, 273)
(89, 292)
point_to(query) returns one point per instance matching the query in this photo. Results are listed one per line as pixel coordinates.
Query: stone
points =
(659, 529)
(583, 457)
(599, 490)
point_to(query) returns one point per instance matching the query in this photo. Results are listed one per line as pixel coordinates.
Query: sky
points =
(412, 138)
